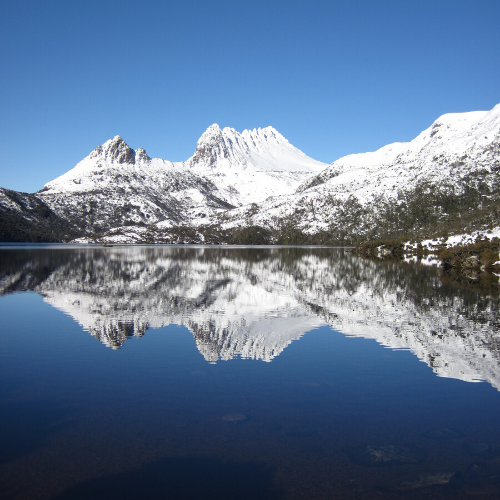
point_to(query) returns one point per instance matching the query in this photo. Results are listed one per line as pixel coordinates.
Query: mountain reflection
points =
(253, 302)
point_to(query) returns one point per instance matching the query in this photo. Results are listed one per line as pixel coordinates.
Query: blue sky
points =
(334, 77)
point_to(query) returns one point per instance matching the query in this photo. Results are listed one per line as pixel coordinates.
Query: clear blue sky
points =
(334, 77)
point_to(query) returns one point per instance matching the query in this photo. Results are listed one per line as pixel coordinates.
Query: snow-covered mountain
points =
(24, 217)
(116, 186)
(458, 151)
(257, 178)
(453, 146)
(251, 166)
(253, 303)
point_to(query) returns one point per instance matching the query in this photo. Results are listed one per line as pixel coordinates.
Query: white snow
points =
(460, 239)
(227, 169)
(455, 145)
(251, 166)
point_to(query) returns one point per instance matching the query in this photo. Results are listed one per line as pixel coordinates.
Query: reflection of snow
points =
(255, 308)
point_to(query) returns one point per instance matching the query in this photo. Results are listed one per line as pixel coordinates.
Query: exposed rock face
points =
(251, 166)
(141, 156)
(116, 186)
(211, 147)
(116, 150)
(253, 303)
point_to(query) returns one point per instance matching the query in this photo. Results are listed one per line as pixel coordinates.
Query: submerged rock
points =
(442, 433)
(235, 417)
(386, 454)
(483, 473)
(427, 481)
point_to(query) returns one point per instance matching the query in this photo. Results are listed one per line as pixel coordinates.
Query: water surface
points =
(191, 372)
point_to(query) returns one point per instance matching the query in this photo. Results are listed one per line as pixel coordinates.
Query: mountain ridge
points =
(257, 179)
(459, 152)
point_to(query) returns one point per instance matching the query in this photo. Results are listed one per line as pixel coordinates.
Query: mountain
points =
(253, 165)
(253, 303)
(450, 168)
(117, 186)
(255, 187)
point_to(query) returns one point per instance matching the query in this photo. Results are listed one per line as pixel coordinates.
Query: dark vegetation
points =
(253, 235)
(421, 212)
(474, 267)
(430, 210)
(484, 282)
(33, 222)
(481, 255)
(424, 211)
(390, 249)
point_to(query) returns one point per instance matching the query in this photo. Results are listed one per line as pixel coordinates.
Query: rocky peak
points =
(267, 134)
(211, 146)
(115, 150)
(118, 150)
(212, 133)
(141, 155)
(216, 144)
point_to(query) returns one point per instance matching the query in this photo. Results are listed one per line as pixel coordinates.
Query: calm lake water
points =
(235, 373)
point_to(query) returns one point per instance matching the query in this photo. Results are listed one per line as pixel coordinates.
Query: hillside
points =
(255, 187)
(447, 178)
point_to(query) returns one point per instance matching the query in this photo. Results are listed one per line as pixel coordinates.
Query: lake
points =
(221, 373)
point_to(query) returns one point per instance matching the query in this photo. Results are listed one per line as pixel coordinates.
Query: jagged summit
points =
(94, 170)
(213, 131)
(261, 149)
(117, 186)
(250, 166)
(115, 149)
(269, 134)
(356, 195)
(211, 146)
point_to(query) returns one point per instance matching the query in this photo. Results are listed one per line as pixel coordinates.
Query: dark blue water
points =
(247, 390)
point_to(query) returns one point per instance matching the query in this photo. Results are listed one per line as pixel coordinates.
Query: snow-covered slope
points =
(24, 217)
(254, 303)
(116, 186)
(454, 147)
(253, 165)
(455, 144)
